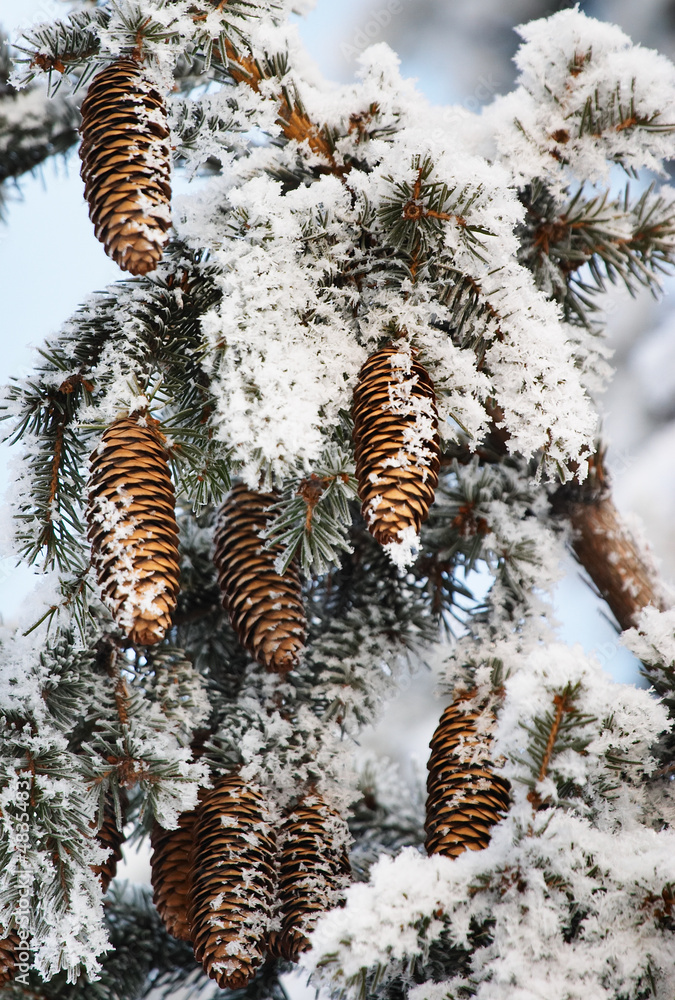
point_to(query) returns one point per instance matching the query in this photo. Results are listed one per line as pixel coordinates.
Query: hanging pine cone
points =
(265, 608)
(396, 443)
(465, 797)
(171, 873)
(111, 837)
(313, 869)
(9, 946)
(126, 165)
(232, 882)
(132, 528)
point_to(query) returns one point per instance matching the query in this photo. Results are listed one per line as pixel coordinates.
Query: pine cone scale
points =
(465, 798)
(133, 530)
(232, 882)
(171, 874)
(126, 165)
(312, 869)
(265, 608)
(394, 406)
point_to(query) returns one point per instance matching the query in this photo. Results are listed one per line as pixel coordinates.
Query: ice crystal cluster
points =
(325, 223)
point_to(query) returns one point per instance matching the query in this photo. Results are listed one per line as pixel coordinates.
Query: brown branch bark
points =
(293, 120)
(563, 703)
(560, 708)
(612, 558)
(606, 548)
(112, 667)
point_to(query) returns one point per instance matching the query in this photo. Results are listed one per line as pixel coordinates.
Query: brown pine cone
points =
(396, 443)
(313, 870)
(265, 608)
(232, 882)
(9, 946)
(126, 165)
(171, 873)
(132, 528)
(465, 797)
(108, 835)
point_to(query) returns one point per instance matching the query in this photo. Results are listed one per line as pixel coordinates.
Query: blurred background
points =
(461, 54)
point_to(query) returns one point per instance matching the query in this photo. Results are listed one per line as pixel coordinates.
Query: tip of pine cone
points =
(281, 662)
(137, 263)
(139, 268)
(385, 534)
(146, 633)
(232, 980)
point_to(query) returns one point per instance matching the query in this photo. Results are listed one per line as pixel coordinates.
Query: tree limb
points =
(622, 572)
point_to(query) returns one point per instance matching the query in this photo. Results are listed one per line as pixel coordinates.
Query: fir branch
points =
(551, 734)
(168, 679)
(55, 465)
(193, 125)
(366, 580)
(69, 46)
(366, 624)
(123, 756)
(30, 130)
(313, 516)
(293, 119)
(133, 34)
(200, 464)
(616, 114)
(75, 590)
(474, 320)
(438, 960)
(413, 216)
(144, 961)
(233, 15)
(466, 528)
(618, 241)
(73, 46)
(71, 688)
(384, 820)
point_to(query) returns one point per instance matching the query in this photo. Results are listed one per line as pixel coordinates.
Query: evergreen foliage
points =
(32, 128)
(328, 224)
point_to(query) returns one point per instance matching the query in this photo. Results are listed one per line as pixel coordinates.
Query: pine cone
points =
(132, 528)
(126, 165)
(396, 443)
(465, 797)
(265, 609)
(171, 873)
(9, 946)
(109, 836)
(313, 868)
(232, 882)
